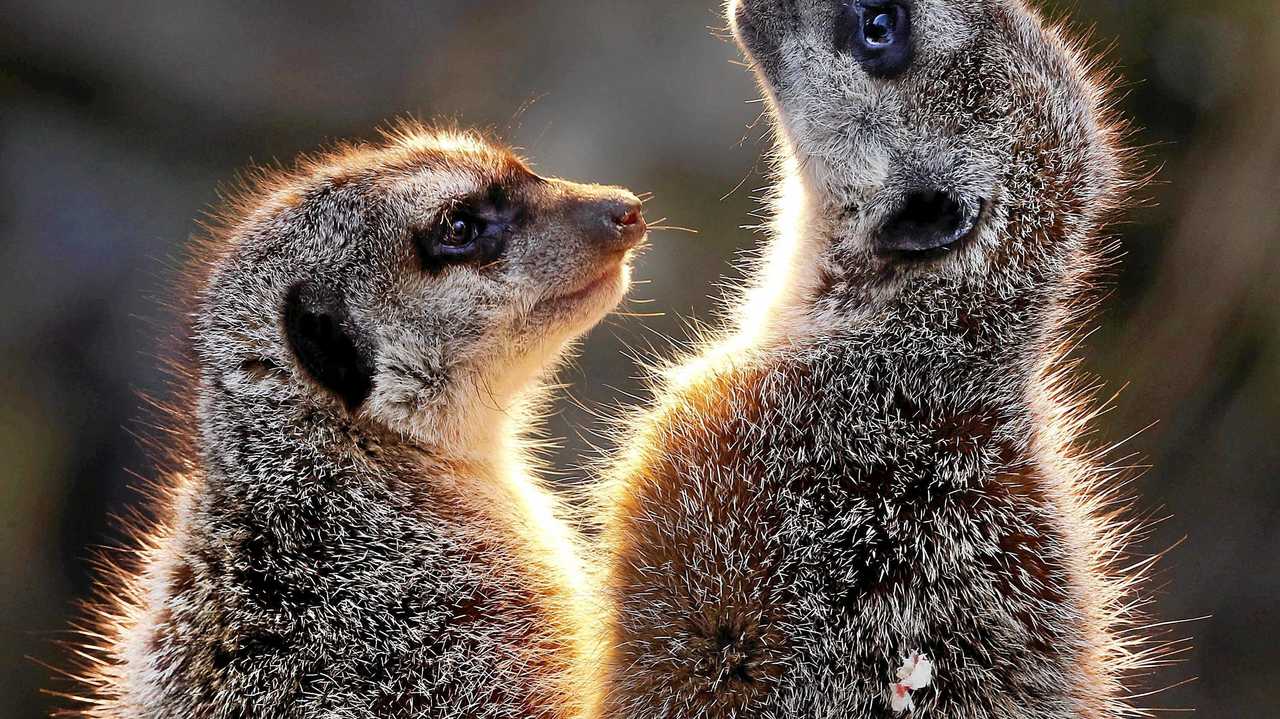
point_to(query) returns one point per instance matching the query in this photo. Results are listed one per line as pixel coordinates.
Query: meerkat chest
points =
(350, 597)
(817, 525)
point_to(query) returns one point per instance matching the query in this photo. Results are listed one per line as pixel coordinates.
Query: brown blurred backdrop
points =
(118, 121)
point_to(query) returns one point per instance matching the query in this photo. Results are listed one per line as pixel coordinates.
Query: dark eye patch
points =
(472, 230)
(499, 198)
(878, 34)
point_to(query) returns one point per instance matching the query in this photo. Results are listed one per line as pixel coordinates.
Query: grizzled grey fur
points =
(354, 534)
(882, 457)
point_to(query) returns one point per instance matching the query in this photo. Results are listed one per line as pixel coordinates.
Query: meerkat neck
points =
(477, 413)
(992, 325)
(775, 308)
(241, 438)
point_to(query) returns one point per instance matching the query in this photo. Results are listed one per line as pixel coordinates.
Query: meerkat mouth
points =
(596, 285)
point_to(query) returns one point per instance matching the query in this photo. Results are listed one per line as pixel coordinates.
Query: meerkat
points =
(869, 495)
(355, 532)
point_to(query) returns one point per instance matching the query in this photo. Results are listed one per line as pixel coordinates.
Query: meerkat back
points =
(354, 532)
(869, 498)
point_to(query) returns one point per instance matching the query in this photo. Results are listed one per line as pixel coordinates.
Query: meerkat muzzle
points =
(612, 223)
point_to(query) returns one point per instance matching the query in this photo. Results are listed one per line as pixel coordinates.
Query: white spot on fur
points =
(915, 673)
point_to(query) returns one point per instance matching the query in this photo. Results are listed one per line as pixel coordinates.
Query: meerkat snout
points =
(614, 222)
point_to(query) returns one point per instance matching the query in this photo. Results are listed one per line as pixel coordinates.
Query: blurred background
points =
(118, 122)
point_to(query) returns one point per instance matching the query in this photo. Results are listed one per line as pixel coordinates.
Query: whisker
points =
(737, 187)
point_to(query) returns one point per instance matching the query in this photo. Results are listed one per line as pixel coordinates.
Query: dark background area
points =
(119, 121)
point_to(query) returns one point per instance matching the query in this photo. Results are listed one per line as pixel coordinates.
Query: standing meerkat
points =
(355, 532)
(882, 460)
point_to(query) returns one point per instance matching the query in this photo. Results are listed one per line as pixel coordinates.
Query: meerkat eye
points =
(878, 34)
(458, 237)
(878, 27)
(461, 231)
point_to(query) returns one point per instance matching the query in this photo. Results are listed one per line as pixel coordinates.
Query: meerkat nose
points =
(631, 225)
(616, 222)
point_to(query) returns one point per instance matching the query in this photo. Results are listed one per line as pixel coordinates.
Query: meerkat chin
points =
(882, 459)
(352, 531)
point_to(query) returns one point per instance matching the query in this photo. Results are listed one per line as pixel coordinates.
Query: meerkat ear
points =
(322, 337)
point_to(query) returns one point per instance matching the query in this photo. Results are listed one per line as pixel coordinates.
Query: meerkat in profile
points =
(355, 533)
(881, 460)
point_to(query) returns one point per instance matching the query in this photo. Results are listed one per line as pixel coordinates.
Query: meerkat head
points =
(423, 284)
(926, 142)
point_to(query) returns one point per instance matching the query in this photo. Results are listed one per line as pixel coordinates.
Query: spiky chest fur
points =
(806, 523)
(337, 592)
